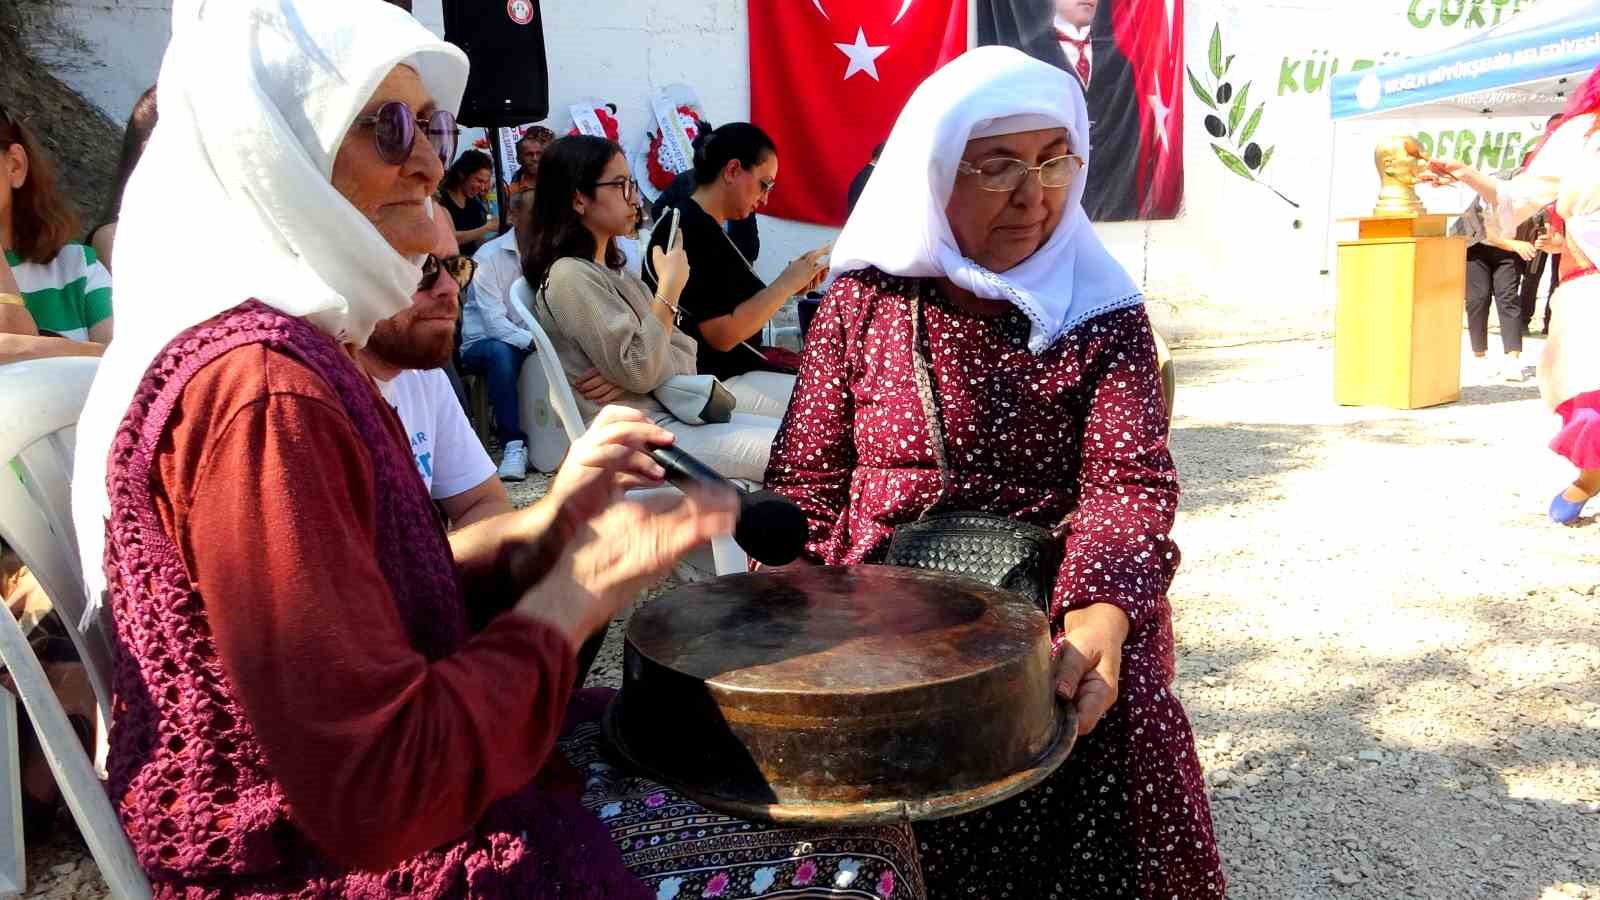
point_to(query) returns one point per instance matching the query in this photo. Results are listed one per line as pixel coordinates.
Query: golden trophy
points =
(1402, 285)
(1400, 166)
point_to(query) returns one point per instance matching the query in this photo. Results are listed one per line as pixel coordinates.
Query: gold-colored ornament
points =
(1400, 166)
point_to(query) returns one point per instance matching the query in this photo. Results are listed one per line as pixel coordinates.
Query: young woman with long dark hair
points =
(603, 319)
(461, 193)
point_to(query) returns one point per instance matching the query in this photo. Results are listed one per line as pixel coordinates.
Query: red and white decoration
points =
(595, 118)
(666, 149)
(828, 78)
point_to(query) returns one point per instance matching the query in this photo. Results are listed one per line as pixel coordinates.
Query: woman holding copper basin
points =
(981, 351)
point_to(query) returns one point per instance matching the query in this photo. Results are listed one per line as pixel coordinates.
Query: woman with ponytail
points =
(725, 304)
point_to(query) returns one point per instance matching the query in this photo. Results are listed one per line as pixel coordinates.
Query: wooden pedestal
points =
(1397, 331)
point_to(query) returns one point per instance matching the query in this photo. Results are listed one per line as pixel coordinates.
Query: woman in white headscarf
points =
(970, 250)
(318, 693)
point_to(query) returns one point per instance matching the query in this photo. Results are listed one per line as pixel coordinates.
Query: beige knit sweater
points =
(600, 319)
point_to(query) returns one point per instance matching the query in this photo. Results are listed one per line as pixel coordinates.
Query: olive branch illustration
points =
(1228, 123)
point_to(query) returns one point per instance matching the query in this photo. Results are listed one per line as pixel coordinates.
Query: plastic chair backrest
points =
(560, 392)
(40, 404)
(40, 401)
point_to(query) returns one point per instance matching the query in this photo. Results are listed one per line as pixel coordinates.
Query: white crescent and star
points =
(863, 56)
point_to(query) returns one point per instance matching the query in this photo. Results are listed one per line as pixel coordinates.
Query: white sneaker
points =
(1514, 372)
(514, 463)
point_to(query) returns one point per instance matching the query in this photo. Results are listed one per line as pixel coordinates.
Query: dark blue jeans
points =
(499, 363)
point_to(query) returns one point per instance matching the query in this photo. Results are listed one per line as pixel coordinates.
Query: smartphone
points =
(672, 233)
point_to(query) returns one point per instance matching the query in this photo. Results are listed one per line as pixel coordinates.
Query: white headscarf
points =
(899, 225)
(233, 198)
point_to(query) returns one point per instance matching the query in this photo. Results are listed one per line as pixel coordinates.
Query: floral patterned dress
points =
(1074, 439)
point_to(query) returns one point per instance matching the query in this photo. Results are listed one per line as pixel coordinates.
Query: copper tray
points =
(841, 695)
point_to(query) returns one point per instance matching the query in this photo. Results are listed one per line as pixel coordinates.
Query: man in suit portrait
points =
(1078, 36)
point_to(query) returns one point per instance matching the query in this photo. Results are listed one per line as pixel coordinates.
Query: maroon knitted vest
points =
(192, 784)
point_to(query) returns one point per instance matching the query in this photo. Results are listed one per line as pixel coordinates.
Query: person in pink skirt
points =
(1564, 174)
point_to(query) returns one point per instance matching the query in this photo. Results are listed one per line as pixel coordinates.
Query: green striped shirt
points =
(68, 295)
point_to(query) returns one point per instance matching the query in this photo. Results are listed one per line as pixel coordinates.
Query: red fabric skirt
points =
(1579, 437)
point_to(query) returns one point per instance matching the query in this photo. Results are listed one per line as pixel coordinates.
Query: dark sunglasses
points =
(395, 126)
(461, 268)
(630, 188)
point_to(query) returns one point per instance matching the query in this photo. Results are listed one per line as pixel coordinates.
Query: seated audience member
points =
(462, 190)
(529, 148)
(405, 356)
(725, 304)
(495, 340)
(745, 233)
(320, 692)
(489, 309)
(859, 183)
(616, 340)
(140, 123)
(62, 284)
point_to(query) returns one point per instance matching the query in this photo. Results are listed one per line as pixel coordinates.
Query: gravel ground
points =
(1389, 654)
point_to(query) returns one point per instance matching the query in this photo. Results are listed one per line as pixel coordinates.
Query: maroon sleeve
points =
(1120, 549)
(381, 753)
(814, 454)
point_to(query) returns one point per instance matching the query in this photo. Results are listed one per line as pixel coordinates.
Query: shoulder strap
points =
(930, 405)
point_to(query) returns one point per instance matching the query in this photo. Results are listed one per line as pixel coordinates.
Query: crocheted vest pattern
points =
(189, 777)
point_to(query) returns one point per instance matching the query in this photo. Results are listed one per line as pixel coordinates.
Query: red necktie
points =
(1083, 53)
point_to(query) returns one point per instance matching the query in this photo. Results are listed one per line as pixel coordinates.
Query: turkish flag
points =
(1152, 41)
(828, 79)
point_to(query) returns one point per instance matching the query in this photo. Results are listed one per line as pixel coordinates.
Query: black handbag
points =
(995, 550)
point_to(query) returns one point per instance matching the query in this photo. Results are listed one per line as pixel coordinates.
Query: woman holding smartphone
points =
(725, 304)
(617, 339)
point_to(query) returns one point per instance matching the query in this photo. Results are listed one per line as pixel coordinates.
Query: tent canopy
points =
(1525, 66)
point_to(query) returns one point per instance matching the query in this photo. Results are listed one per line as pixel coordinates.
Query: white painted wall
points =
(1235, 264)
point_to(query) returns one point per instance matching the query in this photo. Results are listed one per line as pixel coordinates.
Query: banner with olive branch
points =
(1232, 123)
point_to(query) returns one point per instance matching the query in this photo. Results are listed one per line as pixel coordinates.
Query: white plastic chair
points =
(546, 384)
(39, 403)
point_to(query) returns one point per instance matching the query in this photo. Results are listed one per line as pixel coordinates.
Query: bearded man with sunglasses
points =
(405, 356)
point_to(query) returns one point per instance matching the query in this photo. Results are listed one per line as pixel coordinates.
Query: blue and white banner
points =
(1498, 61)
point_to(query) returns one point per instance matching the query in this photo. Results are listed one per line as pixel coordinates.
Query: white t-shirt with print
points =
(447, 451)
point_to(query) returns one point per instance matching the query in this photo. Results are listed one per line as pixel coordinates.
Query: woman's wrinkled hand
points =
(608, 560)
(611, 457)
(1091, 667)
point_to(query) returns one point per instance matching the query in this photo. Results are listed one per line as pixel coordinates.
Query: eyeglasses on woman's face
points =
(1004, 174)
(630, 188)
(395, 127)
(461, 268)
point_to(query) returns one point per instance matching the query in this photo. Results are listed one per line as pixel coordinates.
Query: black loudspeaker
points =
(504, 39)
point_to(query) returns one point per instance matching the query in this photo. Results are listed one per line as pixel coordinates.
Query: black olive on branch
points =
(1215, 127)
